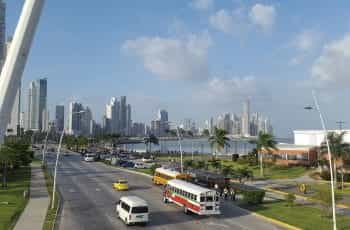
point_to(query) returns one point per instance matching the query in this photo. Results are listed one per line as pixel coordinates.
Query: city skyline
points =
(273, 64)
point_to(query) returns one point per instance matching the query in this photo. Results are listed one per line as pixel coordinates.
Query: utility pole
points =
(16, 59)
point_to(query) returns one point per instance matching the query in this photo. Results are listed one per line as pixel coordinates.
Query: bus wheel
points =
(165, 200)
(186, 210)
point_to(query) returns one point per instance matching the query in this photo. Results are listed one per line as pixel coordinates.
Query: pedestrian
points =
(233, 193)
(225, 193)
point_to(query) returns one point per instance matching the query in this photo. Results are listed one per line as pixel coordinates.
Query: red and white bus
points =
(193, 198)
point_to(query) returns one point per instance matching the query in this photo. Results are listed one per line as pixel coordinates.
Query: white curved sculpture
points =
(11, 74)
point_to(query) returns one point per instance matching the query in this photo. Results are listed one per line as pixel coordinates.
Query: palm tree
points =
(206, 133)
(151, 139)
(339, 151)
(265, 141)
(218, 140)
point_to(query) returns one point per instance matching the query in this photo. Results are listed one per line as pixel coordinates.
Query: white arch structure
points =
(12, 71)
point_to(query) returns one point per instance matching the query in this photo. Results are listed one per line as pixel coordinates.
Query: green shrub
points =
(253, 196)
(154, 167)
(290, 199)
(325, 175)
(235, 157)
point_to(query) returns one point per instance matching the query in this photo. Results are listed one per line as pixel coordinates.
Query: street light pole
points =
(45, 145)
(329, 156)
(180, 146)
(55, 174)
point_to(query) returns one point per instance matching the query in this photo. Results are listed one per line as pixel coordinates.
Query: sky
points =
(196, 58)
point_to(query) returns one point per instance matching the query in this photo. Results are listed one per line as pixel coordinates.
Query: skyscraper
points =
(59, 118)
(246, 118)
(74, 118)
(128, 120)
(37, 99)
(112, 114)
(163, 118)
(123, 114)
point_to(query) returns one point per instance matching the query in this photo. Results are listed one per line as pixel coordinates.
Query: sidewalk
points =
(33, 216)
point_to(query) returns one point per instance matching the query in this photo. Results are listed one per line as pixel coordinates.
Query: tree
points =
(200, 165)
(189, 164)
(339, 151)
(265, 141)
(227, 170)
(7, 156)
(218, 140)
(243, 173)
(215, 164)
(206, 133)
(151, 139)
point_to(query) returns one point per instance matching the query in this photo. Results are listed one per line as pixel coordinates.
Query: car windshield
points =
(122, 182)
(140, 209)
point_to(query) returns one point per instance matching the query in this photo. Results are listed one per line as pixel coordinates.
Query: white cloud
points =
(306, 40)
(173, 58)
(263, 15)
(230, 22)
(202, 4)
(331, 69)
(226, 91)
(222, 21)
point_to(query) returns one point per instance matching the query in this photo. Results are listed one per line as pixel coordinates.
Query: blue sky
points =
(195, 58)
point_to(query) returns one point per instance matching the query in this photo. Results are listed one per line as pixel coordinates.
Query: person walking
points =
(225, 193)
(233, 194)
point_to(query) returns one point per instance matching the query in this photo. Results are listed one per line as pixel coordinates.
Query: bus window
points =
(209, 198)
(202, 199)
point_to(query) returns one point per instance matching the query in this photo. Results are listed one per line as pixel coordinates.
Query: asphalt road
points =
(89, 202)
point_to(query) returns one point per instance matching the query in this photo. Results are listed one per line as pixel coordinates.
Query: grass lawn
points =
(51, 213)
(304, 217)
(320, 186)
(273, 171)
(18, 182)
(146, 171)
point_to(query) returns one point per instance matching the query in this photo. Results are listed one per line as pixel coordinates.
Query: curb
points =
(303, 197)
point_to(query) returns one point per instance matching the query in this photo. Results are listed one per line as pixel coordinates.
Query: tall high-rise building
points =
(163, 118)
(112, 114)
(123, 114)
(2, 31)
(74, 118)
(59, 118)
(37, 100)
(246, 118)
(128, 120)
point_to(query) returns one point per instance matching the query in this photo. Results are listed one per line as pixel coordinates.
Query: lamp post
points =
(317, 107)
(180, 145)
(45, 145)
(56, 164)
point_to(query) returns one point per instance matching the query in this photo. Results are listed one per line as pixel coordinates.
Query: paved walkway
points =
(34, 214)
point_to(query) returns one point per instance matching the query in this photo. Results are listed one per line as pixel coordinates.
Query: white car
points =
(139, 165)
(132, 210)
(89, 157)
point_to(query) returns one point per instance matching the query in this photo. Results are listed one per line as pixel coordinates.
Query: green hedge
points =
(253, 196)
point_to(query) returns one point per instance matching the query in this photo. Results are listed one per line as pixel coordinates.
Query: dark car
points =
(128, 164)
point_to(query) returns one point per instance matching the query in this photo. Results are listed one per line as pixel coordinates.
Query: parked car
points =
(128, 164)
(132, 210)
(89, 157)
(139, 165)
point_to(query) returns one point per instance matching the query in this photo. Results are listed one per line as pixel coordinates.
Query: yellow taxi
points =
(121, 185)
